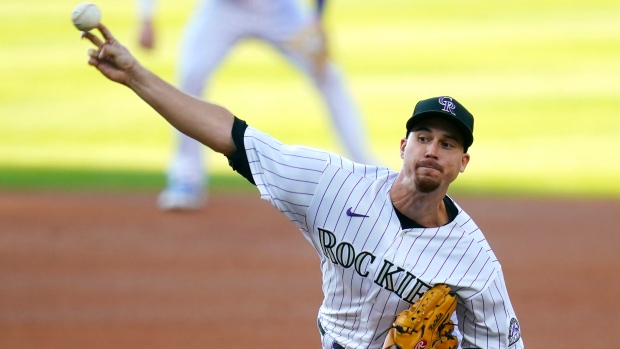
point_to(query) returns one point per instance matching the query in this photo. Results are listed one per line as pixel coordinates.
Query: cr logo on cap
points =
(448, 105)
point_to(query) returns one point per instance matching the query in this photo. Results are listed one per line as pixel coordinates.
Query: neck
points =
(427, 209)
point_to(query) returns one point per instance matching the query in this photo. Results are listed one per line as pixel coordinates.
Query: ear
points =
(464, 162)
(403, 144)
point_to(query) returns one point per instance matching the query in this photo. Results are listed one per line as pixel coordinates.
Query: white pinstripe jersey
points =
(372, 268)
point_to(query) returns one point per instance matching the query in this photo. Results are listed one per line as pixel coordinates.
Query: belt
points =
(335, 345)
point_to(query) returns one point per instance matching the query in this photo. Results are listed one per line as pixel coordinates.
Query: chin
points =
(427, 185)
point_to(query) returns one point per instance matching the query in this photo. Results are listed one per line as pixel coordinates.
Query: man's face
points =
(433, 154)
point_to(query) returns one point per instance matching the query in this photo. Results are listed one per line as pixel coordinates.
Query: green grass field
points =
(542, 78)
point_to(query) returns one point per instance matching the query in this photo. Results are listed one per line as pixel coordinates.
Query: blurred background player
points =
(293, 29)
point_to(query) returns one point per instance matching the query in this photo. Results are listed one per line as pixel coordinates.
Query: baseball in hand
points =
(86, 16)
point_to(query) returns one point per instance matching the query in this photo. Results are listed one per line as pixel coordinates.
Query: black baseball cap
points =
(447, 108)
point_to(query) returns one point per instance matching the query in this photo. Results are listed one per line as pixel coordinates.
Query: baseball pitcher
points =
(403, 265)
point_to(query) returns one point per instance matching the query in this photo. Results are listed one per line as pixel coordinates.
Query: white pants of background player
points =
(215, 27)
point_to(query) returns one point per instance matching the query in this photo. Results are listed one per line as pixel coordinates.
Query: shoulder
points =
(266, 151)
(264, 146)
(470, 227)
(478, 255)
(372, 172)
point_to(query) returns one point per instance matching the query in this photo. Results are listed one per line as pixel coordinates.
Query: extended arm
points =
(208, 123)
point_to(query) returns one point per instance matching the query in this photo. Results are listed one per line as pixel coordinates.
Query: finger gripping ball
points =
(86, 16)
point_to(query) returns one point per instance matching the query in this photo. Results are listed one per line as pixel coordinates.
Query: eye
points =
(447, 145)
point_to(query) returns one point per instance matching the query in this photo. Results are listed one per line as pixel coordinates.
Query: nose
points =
(431, 150)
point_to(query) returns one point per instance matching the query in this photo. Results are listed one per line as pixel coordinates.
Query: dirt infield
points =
(110, 271)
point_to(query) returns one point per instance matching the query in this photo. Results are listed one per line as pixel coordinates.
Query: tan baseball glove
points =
(310, 42)
(426, 324)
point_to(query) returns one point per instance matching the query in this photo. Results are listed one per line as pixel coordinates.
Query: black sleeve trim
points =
(239, 159)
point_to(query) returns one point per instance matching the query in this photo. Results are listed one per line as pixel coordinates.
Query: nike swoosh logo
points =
(353, 214)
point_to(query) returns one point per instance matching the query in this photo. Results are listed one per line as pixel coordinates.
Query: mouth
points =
(429, 164)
